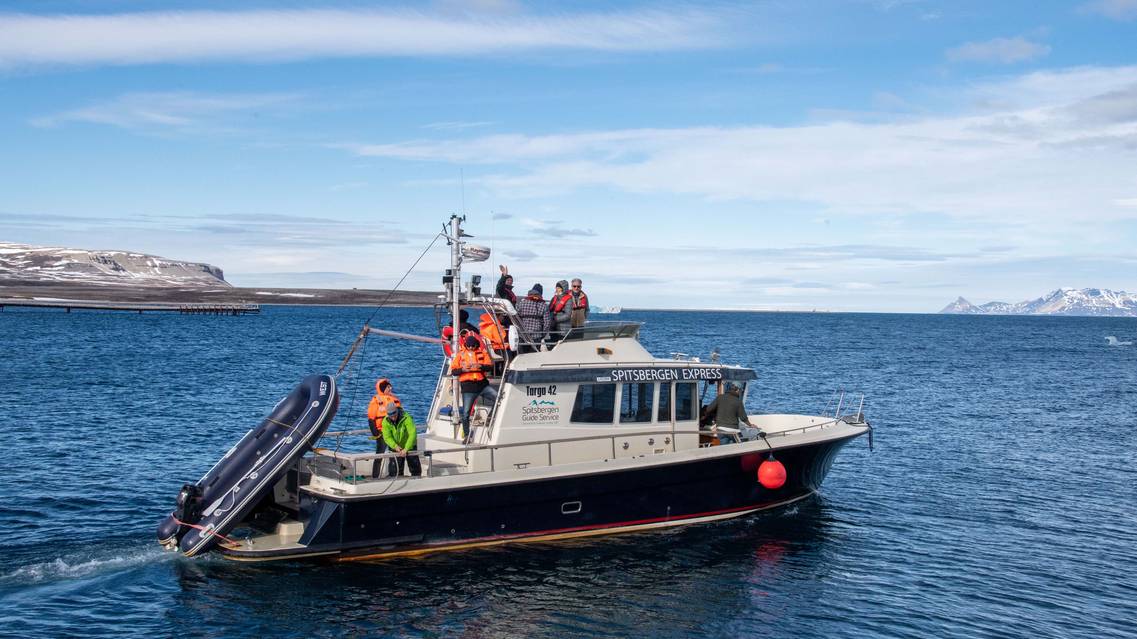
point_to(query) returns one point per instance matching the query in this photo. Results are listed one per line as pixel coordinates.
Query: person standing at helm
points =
(579, 307)
(376, 411)
(470, 365)
(399, 434)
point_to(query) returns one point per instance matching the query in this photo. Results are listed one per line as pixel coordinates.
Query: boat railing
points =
(345, 468)
(348, 461)
(842, 403)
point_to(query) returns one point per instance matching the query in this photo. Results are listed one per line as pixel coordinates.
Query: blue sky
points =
(857, 155)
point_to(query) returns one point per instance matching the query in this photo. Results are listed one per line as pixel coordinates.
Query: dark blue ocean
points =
(1001, 499)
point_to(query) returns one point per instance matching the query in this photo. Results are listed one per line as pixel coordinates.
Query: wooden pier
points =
(88, 305)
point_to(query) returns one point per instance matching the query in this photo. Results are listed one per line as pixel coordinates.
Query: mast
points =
(455, 309)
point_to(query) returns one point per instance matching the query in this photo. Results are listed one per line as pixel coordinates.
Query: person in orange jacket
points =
(470, 365)
(376, 411)
(493, 331)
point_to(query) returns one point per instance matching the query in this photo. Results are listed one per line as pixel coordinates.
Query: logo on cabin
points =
(540, 411)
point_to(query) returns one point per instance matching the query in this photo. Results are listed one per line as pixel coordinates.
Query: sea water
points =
(1001, 499)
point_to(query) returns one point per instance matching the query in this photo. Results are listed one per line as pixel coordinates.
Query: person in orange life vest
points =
(560, 310)
(493, 331)
(376, 411)
(579, 312)
(494, 334)
(470, 365)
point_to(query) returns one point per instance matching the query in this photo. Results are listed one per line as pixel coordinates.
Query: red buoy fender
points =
(772, 474)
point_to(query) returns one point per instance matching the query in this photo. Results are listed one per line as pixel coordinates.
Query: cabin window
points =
(636, 401)
(595, 404)
(686, 401)
(664, 412)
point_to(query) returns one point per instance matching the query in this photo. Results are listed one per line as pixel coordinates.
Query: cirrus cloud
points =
(1002, 50)
(1006, 155)
(265, 35)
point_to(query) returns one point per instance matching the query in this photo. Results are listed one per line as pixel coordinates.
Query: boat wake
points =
(81, 565)
(1112, 340)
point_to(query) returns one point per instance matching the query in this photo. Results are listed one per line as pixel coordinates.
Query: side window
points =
(636, 401)
(686, 402)
(595, 404)
(664, 413)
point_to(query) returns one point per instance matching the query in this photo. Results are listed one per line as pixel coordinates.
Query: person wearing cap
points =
(399, 435)
(560, 309)
(470, 365)
(534, 313)
(376, 411)
(729, 411)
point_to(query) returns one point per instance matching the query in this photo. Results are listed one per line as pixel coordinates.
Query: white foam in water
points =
(1112, 341)
(78, 566)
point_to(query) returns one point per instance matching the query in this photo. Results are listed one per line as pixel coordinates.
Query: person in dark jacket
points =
(534, 313)
(464, 323)
(729, 411)
(505, 286)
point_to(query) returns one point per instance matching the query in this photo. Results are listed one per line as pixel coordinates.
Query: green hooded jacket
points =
(400, 434)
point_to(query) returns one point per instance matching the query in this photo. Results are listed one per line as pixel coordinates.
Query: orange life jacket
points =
(468, 364)
(492, 334)
(558, 303)
(377, 409)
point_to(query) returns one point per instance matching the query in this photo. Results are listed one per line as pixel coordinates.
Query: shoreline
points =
(49, 295)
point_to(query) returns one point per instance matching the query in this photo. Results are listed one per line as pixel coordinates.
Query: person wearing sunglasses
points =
(579, 313)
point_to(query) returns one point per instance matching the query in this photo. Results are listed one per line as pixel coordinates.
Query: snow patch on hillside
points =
(29, 264)
(1063, 301)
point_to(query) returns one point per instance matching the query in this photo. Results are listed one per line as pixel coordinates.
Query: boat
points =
(589, 434)
(608, 310)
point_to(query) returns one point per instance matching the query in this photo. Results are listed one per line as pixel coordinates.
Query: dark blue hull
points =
(554, 508)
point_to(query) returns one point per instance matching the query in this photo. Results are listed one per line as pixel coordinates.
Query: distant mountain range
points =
(23, 264)
(1063, 301)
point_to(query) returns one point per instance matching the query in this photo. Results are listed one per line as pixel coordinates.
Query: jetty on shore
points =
(139, 307)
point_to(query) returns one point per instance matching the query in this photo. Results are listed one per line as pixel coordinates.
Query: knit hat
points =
(537, 289)
(563, 284)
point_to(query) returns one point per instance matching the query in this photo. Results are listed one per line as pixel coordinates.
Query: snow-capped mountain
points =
(1063, 301)
(26, 264)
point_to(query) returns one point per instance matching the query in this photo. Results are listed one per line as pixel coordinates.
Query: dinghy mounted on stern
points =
(237, 484)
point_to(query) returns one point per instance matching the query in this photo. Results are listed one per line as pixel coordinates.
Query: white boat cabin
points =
(592, 395)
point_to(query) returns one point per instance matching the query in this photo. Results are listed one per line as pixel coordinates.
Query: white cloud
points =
(1115, 9)
(1002, 50)
(176, 110)
(191, 36)
(1033, 147)
(455, 126)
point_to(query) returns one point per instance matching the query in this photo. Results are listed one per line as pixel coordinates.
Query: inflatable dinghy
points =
(220, 500)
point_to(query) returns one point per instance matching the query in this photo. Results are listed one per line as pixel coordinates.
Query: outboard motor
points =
(187, 511)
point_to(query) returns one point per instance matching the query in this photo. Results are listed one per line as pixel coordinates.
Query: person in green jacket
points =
(399, 435)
